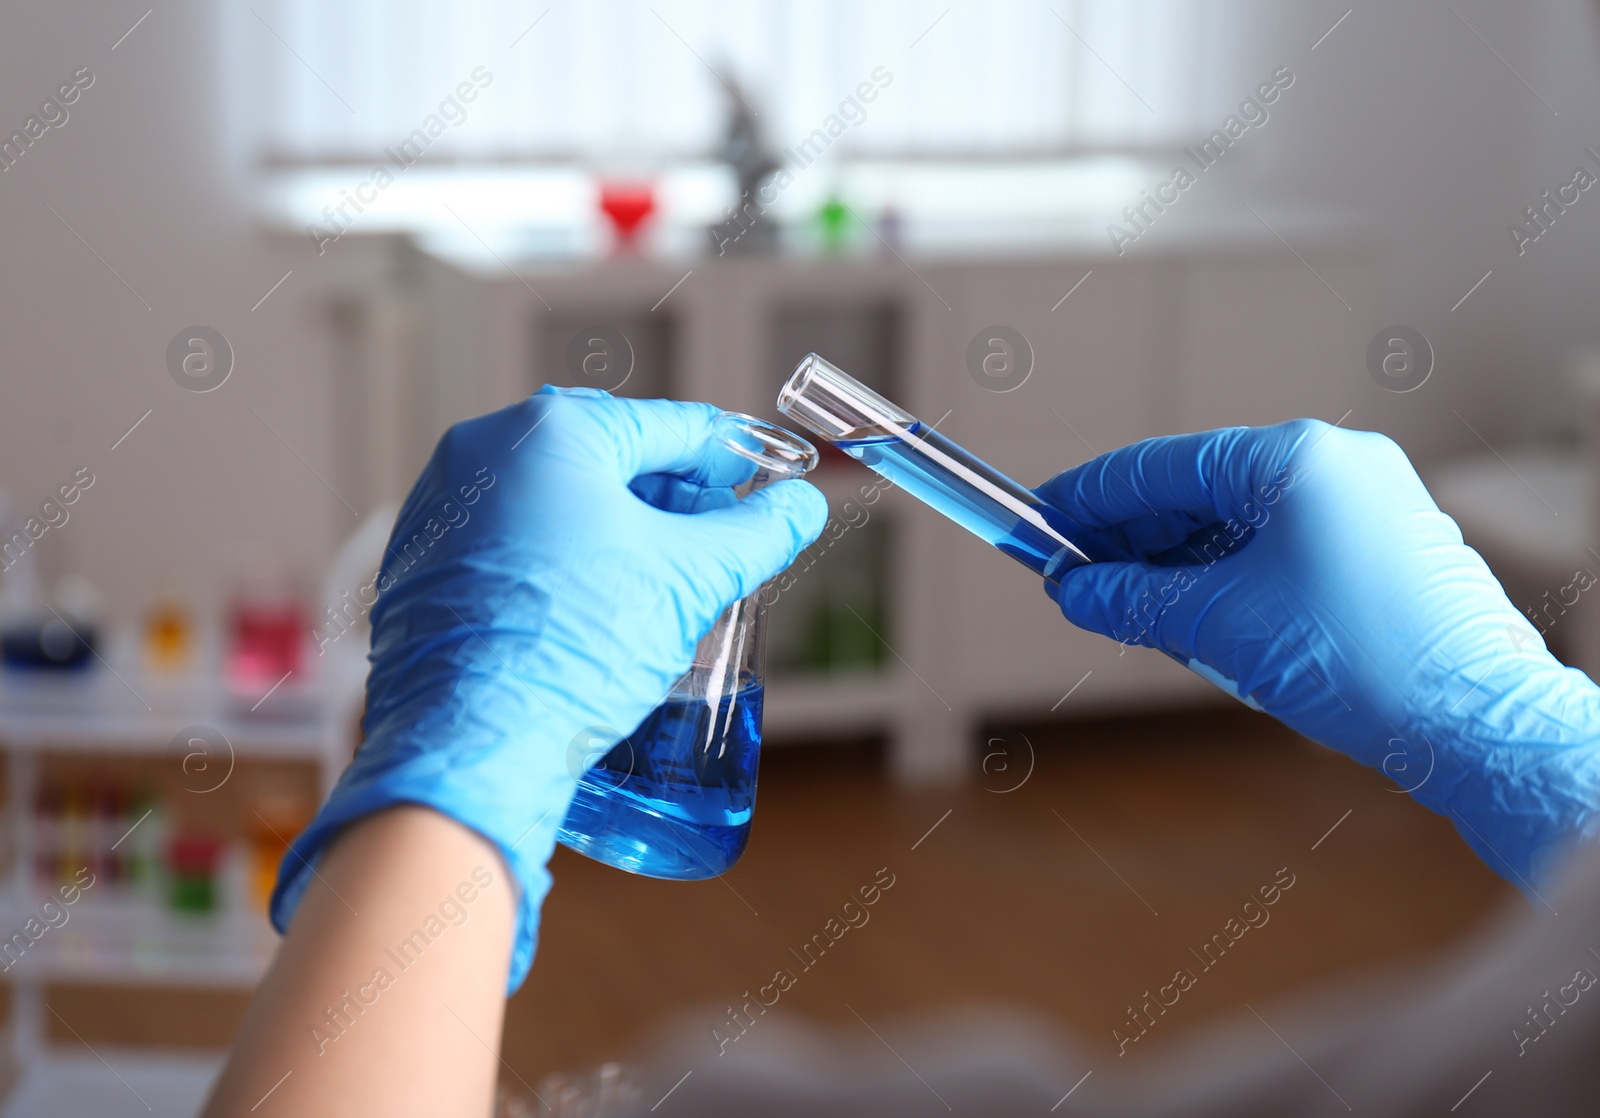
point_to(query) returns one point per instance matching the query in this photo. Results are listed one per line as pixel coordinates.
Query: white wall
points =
(1404, 117)
(1559, 302)
(137, 171)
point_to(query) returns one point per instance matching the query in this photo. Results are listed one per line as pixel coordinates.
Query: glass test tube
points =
(829, 401)
(674, 798)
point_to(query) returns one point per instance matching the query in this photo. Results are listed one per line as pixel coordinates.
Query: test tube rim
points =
(795, 401)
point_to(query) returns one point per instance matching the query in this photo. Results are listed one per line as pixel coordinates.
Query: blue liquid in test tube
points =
(932, 468)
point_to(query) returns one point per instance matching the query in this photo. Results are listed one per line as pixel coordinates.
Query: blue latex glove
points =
(532, 609)
(1306, 570)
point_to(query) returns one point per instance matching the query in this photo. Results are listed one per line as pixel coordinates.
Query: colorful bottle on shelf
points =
(192, 860)
(169, 635)
(267, 636)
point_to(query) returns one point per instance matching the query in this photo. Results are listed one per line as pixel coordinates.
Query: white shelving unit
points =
(109, 937)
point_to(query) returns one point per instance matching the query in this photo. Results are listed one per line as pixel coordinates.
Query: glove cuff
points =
(1518, 767)
(525, 845)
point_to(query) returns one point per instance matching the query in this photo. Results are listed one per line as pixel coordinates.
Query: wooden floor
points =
(1130, 843)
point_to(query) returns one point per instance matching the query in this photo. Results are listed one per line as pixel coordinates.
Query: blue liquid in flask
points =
(940, 473)
(674, 798)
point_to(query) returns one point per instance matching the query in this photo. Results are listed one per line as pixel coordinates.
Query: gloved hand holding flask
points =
(674, 798)
(529, 595)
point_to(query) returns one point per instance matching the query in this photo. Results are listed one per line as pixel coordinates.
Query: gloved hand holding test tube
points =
(825, 399)
(1419, 666)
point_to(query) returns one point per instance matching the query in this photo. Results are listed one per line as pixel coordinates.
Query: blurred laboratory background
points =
(258, 256)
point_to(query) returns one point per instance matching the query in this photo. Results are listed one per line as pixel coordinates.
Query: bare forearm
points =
(388, 992)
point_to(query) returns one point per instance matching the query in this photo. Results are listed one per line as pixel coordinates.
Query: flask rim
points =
(776, 450)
